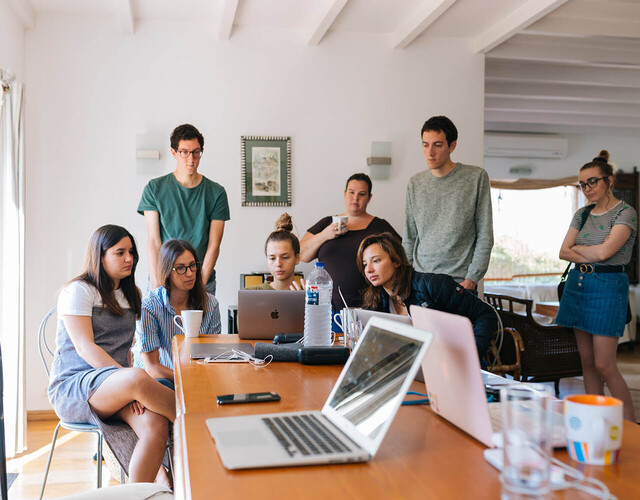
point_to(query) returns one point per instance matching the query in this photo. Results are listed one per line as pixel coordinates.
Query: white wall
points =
(92, 90)
(11, 42)
(625, 152)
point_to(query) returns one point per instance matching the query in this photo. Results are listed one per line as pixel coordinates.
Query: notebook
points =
(264, 313)
(454, 381)
(354, 420)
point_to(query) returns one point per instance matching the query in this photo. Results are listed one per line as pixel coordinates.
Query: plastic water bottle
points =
(317, 309)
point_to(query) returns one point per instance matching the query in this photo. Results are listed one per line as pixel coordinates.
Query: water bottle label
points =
(312, 295)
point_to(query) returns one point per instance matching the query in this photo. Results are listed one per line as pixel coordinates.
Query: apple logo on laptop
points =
(275, 314)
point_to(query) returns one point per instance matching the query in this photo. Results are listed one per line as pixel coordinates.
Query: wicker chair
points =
(542, 353)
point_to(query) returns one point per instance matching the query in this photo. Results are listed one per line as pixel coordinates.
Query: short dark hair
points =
(441, 124)
(359, 177)
(185, 132)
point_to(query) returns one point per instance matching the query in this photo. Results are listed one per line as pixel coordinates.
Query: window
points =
(529, 226)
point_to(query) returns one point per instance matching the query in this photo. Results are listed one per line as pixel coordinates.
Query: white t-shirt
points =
(79, 298)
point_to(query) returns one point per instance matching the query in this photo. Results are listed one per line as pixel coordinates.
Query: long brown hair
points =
(401, 279)
(169, 252)
(94, 273)
(283, 227)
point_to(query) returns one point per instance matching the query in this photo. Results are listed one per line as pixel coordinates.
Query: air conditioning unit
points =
(525, 145)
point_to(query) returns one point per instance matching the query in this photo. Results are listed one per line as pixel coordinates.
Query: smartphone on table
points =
(252, 397)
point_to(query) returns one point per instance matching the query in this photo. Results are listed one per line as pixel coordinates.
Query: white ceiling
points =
(569, 66)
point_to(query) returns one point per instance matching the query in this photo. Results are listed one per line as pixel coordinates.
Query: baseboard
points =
(35, 415)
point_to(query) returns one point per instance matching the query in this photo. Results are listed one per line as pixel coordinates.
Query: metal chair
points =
(43, 347)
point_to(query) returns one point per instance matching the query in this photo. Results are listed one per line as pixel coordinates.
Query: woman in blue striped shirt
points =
(183, 289)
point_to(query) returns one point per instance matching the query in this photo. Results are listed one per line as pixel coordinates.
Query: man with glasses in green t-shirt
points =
(185, 205)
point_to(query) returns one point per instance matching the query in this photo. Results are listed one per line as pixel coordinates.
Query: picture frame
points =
(266, 171)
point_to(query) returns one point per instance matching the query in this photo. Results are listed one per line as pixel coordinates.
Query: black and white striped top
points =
(597, 228)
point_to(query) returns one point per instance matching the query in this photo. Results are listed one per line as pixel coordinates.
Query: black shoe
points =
(95, 457)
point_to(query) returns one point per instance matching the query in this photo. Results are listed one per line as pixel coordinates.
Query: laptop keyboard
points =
(304, 435)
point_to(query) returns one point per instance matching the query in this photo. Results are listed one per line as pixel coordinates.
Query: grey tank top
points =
(112, 333)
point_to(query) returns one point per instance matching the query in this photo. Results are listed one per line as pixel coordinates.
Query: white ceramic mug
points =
(594, 428)
(191, 320)
(341, 220)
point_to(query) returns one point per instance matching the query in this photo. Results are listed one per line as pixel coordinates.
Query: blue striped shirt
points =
(156, 328)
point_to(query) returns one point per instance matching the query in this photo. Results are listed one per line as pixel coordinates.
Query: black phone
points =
(253, 397)
(287, 338)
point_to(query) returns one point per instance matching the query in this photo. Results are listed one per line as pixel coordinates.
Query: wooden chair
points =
(542, 353)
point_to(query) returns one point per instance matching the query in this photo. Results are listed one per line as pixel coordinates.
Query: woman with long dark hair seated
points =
(182, 288)
(393, 286)
(90, 377)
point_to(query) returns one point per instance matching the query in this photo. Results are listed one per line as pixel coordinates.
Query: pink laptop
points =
(454, 379)
(452, 373)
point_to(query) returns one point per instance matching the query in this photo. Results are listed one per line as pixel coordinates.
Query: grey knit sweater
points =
(448, 222)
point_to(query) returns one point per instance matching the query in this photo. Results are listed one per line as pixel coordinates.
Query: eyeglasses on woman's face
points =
(592, 182)
(193, 267)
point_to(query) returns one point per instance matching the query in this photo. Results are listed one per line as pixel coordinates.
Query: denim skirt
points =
(595, 303)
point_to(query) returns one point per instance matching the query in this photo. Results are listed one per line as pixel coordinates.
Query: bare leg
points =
(605, 349)
(152, 431)
(593, 383)
(133, 384)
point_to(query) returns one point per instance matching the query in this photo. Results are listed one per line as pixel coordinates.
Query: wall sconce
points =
(148, 147)
(380, 161)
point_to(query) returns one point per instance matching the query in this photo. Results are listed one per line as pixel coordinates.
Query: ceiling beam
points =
(526, 104)
(562, 92)
(24, 12)
(505, 116)
(227, 16)
(516, 71)
(420, 19)
(514, 23)
(325, 21)
(624, 28)
(125, 13)
(547, 128)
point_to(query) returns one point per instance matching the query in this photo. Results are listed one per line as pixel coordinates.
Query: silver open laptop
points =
(454, 381)
(354, 420)
(364, 315)
(264, 313)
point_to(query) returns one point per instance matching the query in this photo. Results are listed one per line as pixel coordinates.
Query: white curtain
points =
(12, 335)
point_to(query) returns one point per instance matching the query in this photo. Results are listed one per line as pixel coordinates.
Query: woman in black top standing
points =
(338, 249)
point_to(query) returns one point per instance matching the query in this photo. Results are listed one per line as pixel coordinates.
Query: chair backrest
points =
(43, 347)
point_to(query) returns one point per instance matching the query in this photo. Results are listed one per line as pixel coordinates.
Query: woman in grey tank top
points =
(595, 297)
(90, 377)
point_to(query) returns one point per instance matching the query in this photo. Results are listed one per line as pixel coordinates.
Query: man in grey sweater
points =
(448, 222)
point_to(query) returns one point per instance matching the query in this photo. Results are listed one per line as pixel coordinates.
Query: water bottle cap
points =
(320, 264)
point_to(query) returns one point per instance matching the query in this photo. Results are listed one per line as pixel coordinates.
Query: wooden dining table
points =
(422, 456)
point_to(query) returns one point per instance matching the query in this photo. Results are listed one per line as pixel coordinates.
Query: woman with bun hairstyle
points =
(282, 249)
(181, 288)
(91, 381)
(596, 293)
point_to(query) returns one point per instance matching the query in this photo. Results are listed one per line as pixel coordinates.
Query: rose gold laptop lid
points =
(452, 373)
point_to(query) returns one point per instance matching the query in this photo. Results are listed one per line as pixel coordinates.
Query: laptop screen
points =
(369, 390)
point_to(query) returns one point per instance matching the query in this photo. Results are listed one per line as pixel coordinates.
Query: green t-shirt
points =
(186, 213)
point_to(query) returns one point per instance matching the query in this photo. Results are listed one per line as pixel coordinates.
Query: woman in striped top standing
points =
(182, 289)
(595, 297)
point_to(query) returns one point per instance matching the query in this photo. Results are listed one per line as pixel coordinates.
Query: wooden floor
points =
(74, 471)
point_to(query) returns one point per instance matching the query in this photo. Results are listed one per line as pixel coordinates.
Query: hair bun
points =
(284, 223)
(603, 156)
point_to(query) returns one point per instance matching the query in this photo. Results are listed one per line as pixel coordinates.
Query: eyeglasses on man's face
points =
(592, 182)
(183, 269)
(197, 153)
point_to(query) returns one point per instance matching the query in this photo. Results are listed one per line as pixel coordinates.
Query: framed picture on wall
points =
(266, 171)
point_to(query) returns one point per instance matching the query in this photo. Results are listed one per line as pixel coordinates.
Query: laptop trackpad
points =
(244, 437)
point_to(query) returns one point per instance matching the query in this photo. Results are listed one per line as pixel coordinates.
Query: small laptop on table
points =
(354, 420)
(264, 313)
